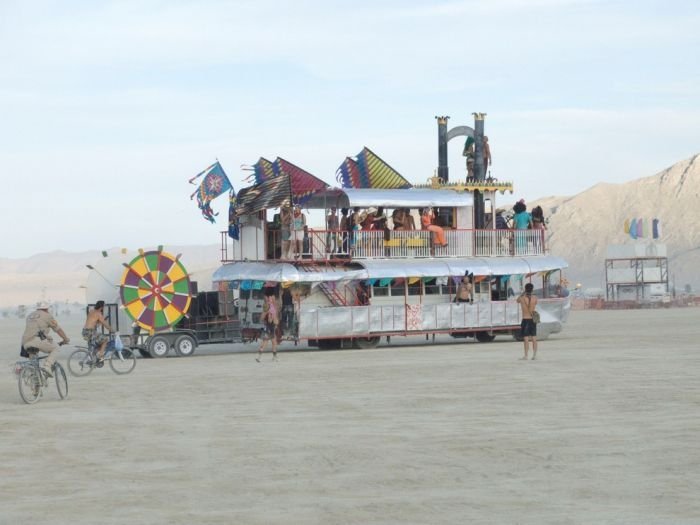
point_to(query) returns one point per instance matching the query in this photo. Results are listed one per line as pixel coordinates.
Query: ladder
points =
(333, 295)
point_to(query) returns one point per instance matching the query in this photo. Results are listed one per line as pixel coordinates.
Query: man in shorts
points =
(36, 334)
(94, 338)
(528, 328)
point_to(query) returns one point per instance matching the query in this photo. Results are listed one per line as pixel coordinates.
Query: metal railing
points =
(320, 245)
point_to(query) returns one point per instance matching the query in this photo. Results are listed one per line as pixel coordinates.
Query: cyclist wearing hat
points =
(36, 334)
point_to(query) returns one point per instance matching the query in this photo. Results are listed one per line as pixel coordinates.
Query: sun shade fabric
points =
(388, 269)
(369, 171)
(272, 193)
(303, 184)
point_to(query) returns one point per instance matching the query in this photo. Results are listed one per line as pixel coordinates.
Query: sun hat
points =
(371, 209)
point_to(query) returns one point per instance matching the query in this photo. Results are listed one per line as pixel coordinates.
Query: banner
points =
(214, 184)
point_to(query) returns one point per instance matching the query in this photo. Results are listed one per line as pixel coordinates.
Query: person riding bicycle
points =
(95, 339)
(36, 334)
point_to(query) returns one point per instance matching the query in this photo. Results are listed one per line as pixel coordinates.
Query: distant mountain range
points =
(580, 229)
(60, 276)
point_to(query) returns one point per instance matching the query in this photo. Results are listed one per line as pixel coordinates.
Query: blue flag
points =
(232, 217)
(215, 183)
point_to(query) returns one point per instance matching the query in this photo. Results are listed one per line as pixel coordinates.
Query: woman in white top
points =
(298, 222)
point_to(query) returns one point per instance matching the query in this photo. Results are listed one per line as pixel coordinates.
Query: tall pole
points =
(479, 170)
(443, 169)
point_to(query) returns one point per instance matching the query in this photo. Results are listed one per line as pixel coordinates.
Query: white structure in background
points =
(637, 272)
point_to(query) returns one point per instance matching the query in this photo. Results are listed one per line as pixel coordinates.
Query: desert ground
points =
(602, 428)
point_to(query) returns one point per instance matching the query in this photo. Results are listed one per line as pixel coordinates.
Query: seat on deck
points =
(415, 243)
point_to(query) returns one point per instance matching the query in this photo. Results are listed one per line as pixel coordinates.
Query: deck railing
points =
(377, 244)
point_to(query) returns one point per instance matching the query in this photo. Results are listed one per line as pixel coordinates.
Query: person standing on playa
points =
(528, 328)
(36, 334)
(270, 320)
(95, 339)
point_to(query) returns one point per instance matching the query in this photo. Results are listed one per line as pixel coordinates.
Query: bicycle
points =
(32, 378)
(84, 360)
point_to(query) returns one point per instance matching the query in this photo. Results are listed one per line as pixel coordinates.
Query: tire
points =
(158, 346)
(80, 363)
(29, 385)
(364, 343)
(484, 337)
(517, 336)
(59, 375)
(185, 345)
(329, 344)
(144, 353)
(122, 362)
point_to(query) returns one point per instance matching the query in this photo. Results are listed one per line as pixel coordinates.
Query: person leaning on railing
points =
(465, 291)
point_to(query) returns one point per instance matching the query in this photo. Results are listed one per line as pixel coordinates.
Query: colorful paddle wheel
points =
(155, 290)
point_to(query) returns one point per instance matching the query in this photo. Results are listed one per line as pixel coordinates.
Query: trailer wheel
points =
(517, 335)
(145, 353)
(329, 344)
(484, 337)
(366, 342)
(158, 346)
(185, 345)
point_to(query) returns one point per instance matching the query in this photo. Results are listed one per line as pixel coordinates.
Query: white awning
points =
(282, 272)
(383, 268)
(392, 199)
(389, 268)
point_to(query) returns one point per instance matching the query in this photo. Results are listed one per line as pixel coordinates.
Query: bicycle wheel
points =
(122, 362)
(80, 363)
(61, 381)
(29, 384)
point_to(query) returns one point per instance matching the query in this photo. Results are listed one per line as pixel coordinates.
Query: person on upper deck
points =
(501, 223)
(438, 234)
(398, 217)
(286, 230)
(332, 225)
(522, 220)
(409, 223)
(345, 227)
(538, 222)
(298, 223)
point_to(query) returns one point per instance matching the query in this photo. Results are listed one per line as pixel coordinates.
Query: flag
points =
(232, 217)
(263, 170)
(272, 193)
(627, 226)
(369, 171)
(640, 228)
(215, 183)
(633, 228)
(302, 184)
(656, 228)
(348, 175)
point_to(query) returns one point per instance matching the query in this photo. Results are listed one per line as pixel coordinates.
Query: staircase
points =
(334, 297)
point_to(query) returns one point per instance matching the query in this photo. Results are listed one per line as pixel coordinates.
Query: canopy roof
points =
(282, 272)
(381, 269)
(395, 198)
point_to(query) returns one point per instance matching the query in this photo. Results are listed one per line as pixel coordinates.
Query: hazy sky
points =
(108, 108)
